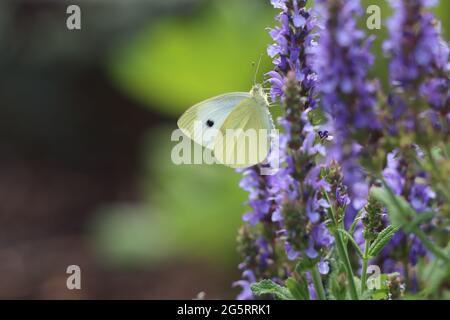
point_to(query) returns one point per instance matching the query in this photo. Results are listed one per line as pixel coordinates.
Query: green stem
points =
(442, 187)
(317, 281)
(342, 251)
(438, 252)
(364, 267)
(354, 223)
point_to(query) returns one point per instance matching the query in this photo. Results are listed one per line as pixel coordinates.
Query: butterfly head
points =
(258, 93)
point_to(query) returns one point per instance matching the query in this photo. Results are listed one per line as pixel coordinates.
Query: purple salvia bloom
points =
(246, 293)
(391, 174)
(419, 64)
(259, 198)
(296, 186)
(324, 267)
(257, 248)
(407, 180)
(342, 63)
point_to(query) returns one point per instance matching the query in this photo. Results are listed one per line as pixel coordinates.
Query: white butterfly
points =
(236, 126)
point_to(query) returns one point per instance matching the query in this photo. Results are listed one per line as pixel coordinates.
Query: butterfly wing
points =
(202, 122)
(245, 135)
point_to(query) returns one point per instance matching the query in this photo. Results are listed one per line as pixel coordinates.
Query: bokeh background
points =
(85, 123)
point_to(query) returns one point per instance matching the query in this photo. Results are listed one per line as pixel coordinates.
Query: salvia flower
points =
(296, 186)
(419, 65)
(419, 73)
(256, 245)
(405, 179)
(336, 144)
(342, 61)
(372, 219)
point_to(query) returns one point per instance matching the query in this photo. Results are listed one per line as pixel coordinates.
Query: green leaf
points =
(353, 241)
(269, 287)
(298, 289)
(382, 240)
(358, 288)
(338, 290)
(420, 219)
(354, 223)
(337, 280)
(434, 274)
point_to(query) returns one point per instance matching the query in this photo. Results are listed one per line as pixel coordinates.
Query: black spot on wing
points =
(210, 123)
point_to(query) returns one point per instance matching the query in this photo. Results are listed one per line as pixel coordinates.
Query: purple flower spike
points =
(342, 62)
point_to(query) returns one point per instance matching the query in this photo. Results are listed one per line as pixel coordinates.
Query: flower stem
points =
(442, 187)
(317, 281)
(342, 251)
(364, 267)
(438, 252)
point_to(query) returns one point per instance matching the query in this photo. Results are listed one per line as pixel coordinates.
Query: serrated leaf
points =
(269, 287)
(298, 289)
(382, 240)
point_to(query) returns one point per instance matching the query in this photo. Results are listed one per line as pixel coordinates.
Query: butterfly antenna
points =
(257, 69)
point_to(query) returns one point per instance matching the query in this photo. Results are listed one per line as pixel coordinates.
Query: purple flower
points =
(292, 254)
(296, 186)
(342, 197)
(418, 191)
(324, 267)
(255, 245)
(248, 279)
(259, 198)
(420, 195)
(323, 67)
(391, 174)
(405, 179)
(321, 236)
(419, 65)
(342, 63)
(260, 208)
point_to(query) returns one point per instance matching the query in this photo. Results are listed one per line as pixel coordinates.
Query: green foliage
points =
(434, 275)
(298, 289)
(269, 287)
(382, 240)
(402, 215)
(179, 61)
(337, 289)
(348, 236)
(186, 212)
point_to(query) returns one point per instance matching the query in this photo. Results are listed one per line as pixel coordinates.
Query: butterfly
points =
(235, 126)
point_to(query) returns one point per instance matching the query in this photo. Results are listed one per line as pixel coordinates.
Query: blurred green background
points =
(85, 121)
